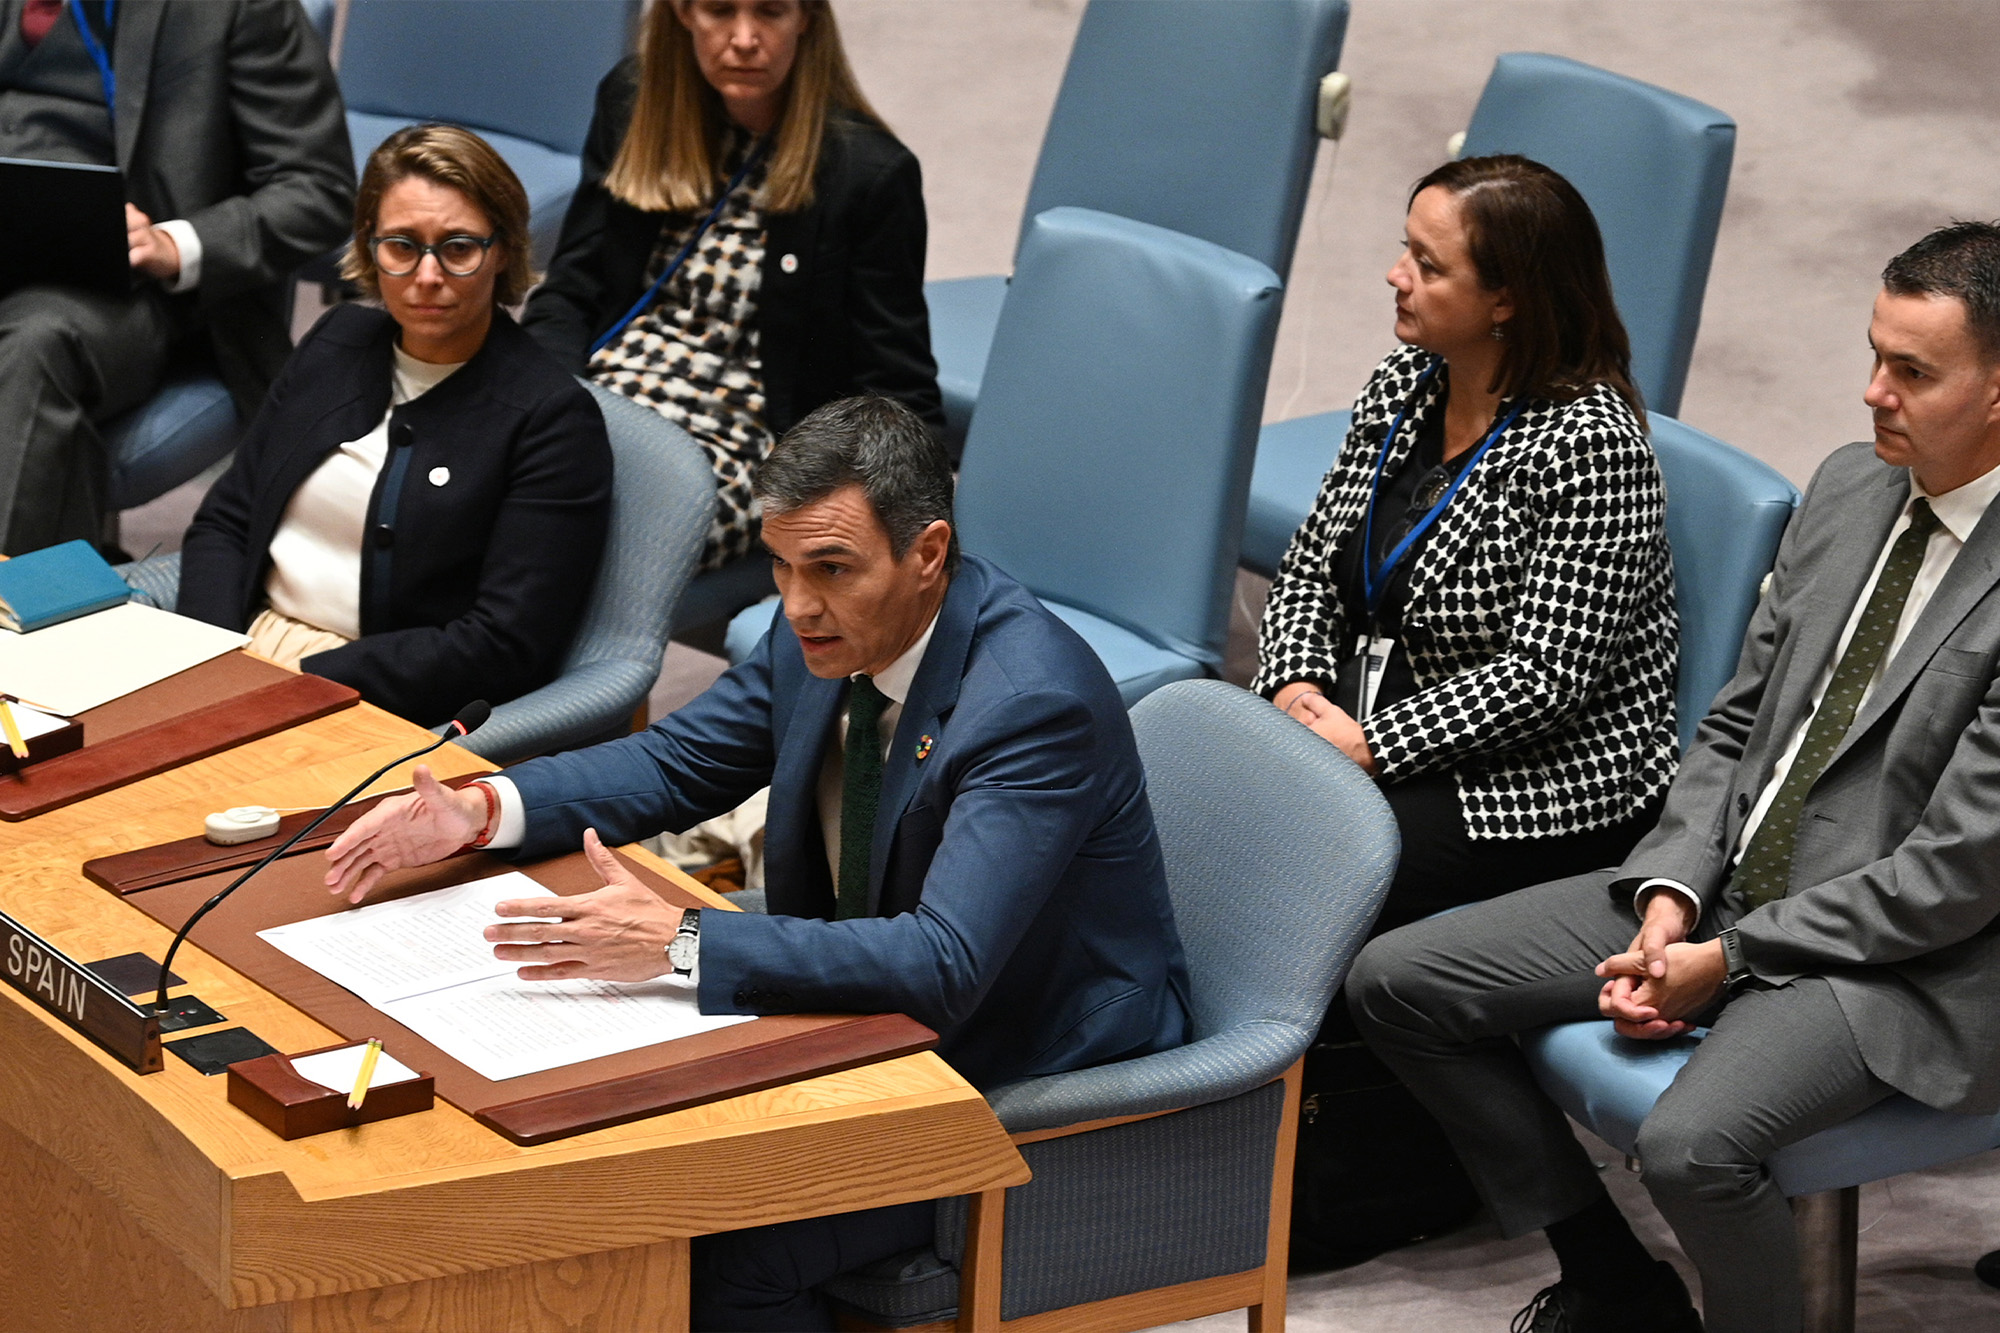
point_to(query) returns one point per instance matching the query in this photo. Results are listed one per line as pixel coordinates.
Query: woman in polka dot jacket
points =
(1521, 648)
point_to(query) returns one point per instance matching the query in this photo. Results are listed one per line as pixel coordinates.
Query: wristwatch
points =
(1732, 958)
(685, 947)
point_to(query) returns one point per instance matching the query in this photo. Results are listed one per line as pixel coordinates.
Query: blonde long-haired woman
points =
(747, 240)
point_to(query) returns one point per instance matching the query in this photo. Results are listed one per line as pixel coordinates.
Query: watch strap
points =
(1732, 956)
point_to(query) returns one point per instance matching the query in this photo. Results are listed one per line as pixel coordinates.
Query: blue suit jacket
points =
(1021, 897)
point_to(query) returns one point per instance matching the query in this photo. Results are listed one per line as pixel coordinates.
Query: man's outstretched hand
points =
(427, 825)
(617, 933)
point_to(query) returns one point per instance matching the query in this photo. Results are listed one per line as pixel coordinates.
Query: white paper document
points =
(339, 1068)
(94, 659)
(424, 962)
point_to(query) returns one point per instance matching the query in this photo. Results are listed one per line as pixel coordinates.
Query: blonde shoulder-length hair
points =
(670, 160)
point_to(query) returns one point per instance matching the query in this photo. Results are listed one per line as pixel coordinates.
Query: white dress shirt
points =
(1958, 512)
(316, 552)
(188, 242)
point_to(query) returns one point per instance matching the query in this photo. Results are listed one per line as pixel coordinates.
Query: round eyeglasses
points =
(460, 256)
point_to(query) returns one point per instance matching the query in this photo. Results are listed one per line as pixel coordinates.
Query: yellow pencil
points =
(368, 1058)
(13, 729)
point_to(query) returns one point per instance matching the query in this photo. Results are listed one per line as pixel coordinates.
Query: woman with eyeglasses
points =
(746, 243)
(1479, 610)
(419, 508)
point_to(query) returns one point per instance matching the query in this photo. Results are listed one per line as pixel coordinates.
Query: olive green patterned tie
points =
(860, 793)
(1765, 872)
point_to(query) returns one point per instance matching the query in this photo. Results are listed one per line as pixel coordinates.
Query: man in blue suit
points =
(958, 824)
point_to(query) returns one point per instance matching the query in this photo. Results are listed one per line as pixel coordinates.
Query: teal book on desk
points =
(55, 584)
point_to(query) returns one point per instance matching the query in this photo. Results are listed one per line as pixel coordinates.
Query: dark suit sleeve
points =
(702, 760)
(540, 562)
(564, 311)
(216, 559)
(886, 311)
(1026, 802)
(291, 138)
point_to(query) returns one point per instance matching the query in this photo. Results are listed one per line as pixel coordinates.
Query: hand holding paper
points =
(617, 933)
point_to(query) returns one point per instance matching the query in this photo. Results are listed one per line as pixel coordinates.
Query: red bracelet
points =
(492, 824)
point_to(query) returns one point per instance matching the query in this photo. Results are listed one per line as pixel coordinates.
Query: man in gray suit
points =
(225, 119)
(1821, 889)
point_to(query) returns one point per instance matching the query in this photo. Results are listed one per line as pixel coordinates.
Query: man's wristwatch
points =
(1732, 958)
(685, 947)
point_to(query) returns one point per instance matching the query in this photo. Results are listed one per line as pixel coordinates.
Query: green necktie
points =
(860, 793)
(1765, 873)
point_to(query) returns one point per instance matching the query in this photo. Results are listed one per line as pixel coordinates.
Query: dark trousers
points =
(69, 361)
(766, 1278)
(1440, 1001)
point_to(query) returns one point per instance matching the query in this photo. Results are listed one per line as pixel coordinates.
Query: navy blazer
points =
(1021, 895)
(486, 523)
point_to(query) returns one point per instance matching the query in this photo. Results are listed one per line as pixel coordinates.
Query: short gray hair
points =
(872, 442)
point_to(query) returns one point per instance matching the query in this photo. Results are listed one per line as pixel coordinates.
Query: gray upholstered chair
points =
(1174, 1170)
(663, 496)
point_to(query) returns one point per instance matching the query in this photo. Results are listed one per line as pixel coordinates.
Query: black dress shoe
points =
(1663, 1307)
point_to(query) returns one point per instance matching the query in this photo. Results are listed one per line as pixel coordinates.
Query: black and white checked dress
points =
(1540, 625)
(692, 355)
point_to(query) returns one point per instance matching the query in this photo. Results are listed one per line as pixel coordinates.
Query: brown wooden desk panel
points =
(155, 1194)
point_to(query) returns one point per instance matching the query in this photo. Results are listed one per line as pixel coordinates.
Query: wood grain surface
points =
(180, 1193)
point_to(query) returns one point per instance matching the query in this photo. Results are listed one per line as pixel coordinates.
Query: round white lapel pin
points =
(789, 263)
(440, 475)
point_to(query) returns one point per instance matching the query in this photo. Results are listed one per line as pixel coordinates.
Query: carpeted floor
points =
(1862, 124)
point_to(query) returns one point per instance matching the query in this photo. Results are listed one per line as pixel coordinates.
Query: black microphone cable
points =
(470, 718)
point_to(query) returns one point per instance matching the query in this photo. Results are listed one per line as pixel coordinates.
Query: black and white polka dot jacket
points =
(1540, 624)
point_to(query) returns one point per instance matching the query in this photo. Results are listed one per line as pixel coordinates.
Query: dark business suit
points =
(484, 529)
(228, 117)
(1874, 974)
(1019, 898)
(840, 304)
(1018, 894)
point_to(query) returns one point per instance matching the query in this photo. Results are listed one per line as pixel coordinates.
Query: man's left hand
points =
(617, 933)
(1653, 1008)
(153, 251)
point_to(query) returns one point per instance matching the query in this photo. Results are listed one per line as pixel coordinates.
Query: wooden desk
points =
(150, 1203)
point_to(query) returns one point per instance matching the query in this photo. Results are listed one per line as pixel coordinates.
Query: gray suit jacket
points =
(228, 116)
(1896, 876)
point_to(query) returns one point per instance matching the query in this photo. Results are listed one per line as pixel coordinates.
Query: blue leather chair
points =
(1726, 512)
(188, 424)
(1196, 1184)
(1654, 167)
(1195, 115)
(1609, 1084)
(660, 505)
(1106, 469)
(523, 74)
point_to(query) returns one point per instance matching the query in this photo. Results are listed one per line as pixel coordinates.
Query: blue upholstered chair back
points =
(1110, 460)
(1725, 514)
(1653, 166)
(1279, 851)
(663, 496)
(1194, 115)
(528, 68)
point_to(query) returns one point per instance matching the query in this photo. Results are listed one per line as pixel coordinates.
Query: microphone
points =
(470, 718)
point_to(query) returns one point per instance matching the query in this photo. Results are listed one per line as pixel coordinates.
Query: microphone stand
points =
(476, 713)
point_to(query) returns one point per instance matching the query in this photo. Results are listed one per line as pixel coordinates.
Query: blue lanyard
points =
(1374, 578)
(98, 55)
(756, 156)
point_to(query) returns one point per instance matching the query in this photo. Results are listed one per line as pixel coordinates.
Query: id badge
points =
(1374, 651)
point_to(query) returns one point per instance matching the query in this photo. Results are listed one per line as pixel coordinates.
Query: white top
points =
(1958, 513)
(316, 552)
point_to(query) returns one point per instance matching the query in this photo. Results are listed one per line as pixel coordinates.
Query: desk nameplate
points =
(84, 1001)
